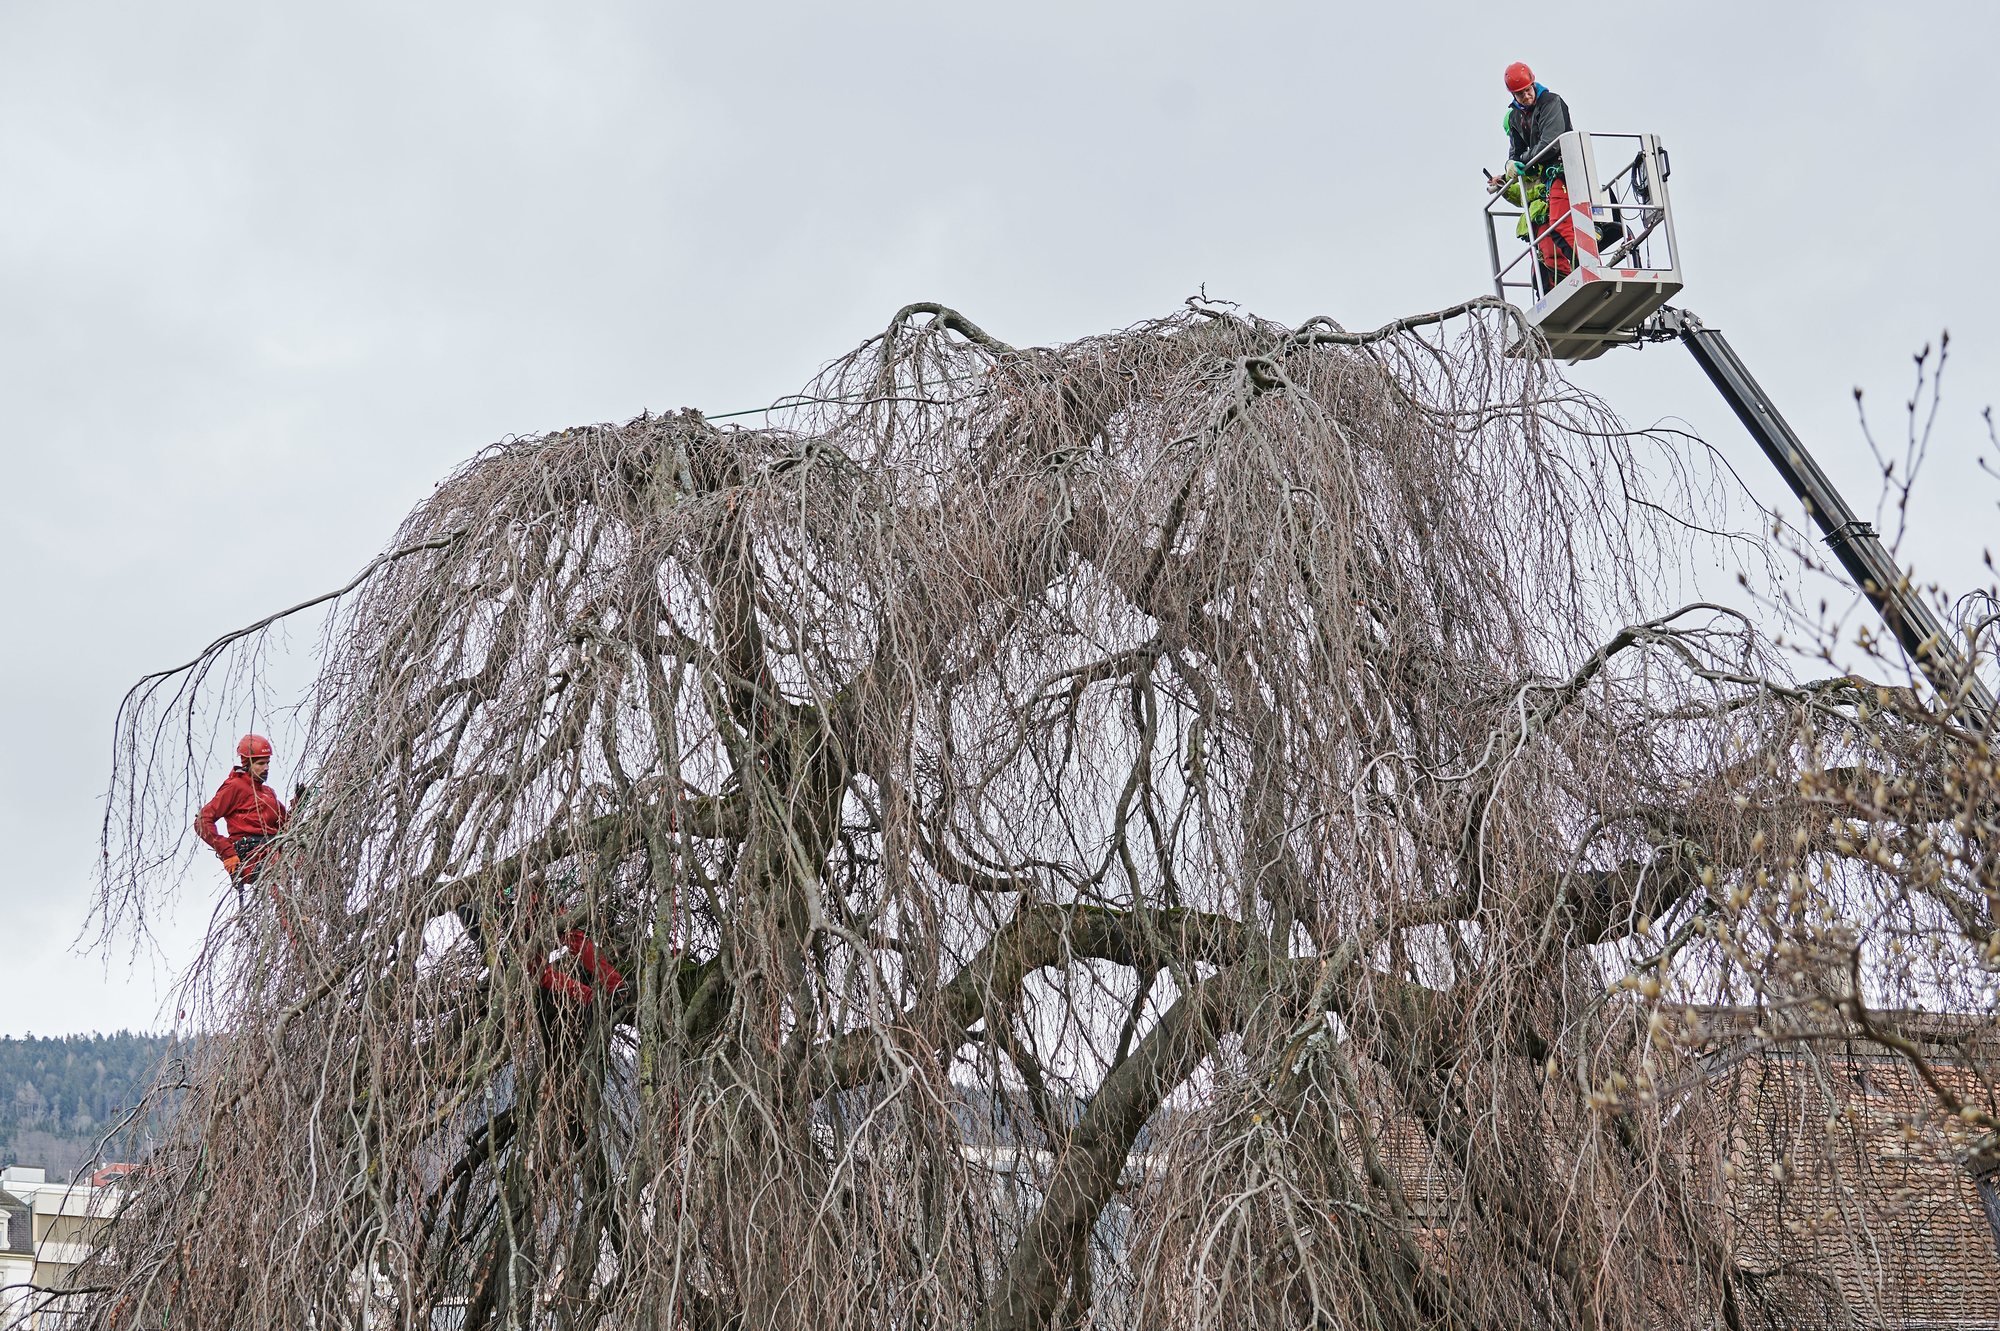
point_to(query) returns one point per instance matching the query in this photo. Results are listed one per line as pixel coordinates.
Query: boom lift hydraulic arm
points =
(1874, 570)
(1853, 540)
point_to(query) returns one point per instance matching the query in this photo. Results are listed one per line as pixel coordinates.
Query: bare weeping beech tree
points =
(1215, 825)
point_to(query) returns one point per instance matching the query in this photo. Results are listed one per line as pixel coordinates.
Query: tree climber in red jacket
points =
(251, 810)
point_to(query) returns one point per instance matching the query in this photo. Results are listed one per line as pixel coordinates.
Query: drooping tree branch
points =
(1205, 825)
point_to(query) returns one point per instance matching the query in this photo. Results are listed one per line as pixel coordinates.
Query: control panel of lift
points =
(1588, 275)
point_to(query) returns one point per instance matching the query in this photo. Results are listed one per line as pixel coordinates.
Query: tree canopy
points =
(1216, 824)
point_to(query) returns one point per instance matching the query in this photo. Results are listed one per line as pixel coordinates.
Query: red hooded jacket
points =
(252, 808)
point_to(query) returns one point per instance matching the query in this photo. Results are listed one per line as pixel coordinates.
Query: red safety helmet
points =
(1519, 77)
(253, 746)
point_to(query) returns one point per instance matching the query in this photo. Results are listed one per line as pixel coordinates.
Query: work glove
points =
(229, 865)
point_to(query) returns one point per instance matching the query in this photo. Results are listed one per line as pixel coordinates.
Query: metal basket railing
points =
(1625, 210)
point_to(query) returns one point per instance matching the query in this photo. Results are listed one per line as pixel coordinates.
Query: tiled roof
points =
(1843, 1164)
(18, 1223)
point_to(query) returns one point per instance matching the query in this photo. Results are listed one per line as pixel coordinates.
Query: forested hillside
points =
(60, 1095)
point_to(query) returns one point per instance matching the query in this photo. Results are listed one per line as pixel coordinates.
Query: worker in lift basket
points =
(1534, 179)
(251, 810)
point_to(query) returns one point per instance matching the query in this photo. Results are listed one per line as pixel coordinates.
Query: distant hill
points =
(60, 1095)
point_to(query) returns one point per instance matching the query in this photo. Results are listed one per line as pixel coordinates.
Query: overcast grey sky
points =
(268, 271)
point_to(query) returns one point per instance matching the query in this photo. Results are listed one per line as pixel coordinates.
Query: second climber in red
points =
(250, 811)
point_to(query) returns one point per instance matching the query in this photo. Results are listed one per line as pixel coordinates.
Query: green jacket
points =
(1535, 209)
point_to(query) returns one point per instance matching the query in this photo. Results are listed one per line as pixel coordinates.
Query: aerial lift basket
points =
(1595, 280)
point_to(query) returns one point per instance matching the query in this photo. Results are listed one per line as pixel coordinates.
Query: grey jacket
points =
(1533, 128)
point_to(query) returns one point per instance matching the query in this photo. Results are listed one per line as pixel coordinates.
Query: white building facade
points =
(47, 1231)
